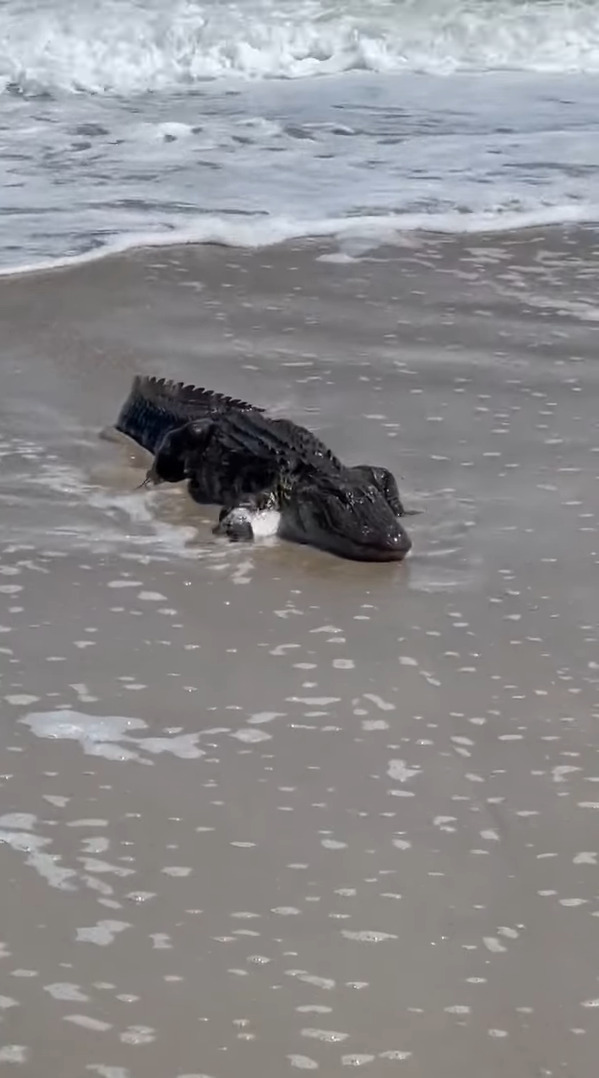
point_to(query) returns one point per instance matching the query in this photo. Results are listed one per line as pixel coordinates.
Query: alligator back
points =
(251, 434)
(156, 405)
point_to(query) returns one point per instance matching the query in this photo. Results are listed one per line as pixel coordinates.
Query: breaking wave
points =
(130, 47)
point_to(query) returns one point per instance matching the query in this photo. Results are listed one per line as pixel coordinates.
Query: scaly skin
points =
(234, 455)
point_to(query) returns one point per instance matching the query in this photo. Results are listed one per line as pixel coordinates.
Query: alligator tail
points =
(156, 405)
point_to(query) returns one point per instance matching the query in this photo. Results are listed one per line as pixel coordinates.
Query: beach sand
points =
(304, 813)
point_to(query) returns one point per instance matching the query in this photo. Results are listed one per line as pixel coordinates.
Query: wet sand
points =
(262, 809)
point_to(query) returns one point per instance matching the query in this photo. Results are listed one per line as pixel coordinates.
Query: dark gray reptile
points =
(236, 456)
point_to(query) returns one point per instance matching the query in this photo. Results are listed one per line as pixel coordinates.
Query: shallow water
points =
(263, 809)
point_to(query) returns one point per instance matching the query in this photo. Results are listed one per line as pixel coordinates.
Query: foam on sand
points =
(106, 735)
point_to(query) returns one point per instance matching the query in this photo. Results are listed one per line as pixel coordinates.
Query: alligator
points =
(236, 456)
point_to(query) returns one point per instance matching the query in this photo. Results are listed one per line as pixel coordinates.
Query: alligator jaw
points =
(390, 547)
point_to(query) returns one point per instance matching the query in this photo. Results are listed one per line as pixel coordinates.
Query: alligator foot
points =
(235, 523)
(255, 517)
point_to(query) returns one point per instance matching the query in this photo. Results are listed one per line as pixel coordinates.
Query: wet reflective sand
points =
(263, 810)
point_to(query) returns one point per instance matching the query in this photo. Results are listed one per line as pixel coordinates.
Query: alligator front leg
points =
(235, 524)
(255, 516)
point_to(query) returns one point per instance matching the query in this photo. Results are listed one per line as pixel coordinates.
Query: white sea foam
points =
(123, 46)
(104, 735)
(111, 519)
(25, 840)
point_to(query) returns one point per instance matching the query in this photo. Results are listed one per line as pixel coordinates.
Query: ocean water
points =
(246, 123)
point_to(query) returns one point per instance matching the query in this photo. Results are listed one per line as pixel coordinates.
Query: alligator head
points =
(348, 517)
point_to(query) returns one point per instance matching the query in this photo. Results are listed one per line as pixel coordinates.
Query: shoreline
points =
(349, 232)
